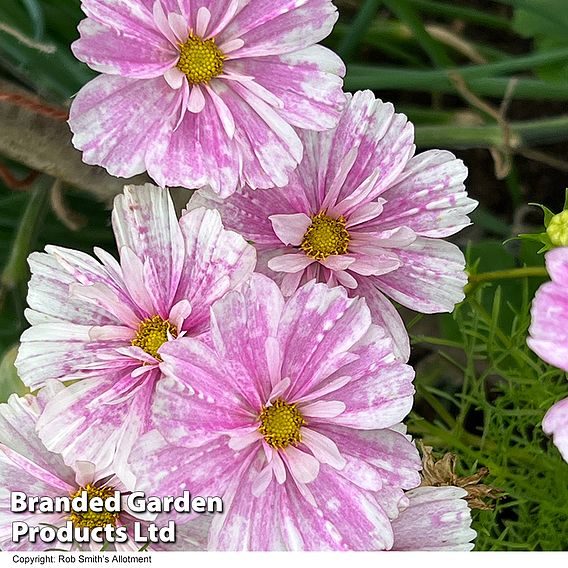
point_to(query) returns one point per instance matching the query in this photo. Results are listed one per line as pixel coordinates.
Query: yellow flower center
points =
(280, 424)
(90, 519)
(326, 236)
(558, 229)
(152, 334)
(200, 60)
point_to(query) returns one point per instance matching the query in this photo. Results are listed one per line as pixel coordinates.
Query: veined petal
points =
(431, 278)
(430, 196)
(437, 518)
(303, 467)
(216, 261)
(285, 27)
(140, 54)
(290, 263)
(290, 229)
(324, 449)
(145, 221)
(116, 119)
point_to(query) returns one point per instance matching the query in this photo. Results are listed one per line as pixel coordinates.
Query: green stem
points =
(438, 80)
(527, 271)
(357, 29)
(470, 72)
(523, 134)
(407, 14)
(467, 14)
(16, 270)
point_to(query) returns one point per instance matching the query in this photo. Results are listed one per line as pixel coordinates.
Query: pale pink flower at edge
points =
(435, 518)
(26, 465)
(360, 211)
(549, 337)
(101, 322)
(292, 416)
(205, 92)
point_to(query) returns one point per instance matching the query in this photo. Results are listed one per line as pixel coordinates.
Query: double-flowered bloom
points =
(362, 211)
(292, 415)
(205, 92)
(101, 322)
(27, 466)
(549, 337)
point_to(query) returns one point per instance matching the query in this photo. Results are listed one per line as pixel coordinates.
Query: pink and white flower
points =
(549, 337)
(205, 92)
(101, 322)
(291, 415)
(362, 212)
(26, 465)
(436, 518)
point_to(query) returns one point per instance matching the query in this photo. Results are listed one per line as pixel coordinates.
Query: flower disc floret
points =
(325, 237)
(152, 334)
(200, 60)
(92, 519)
(280, 424)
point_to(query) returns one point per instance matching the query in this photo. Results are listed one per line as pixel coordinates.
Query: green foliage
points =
(546, 21)
(483, 395)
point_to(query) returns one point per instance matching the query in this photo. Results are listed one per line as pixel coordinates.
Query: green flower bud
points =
(557, 229)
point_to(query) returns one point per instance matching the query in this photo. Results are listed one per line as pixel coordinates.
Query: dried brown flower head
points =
(441, 472)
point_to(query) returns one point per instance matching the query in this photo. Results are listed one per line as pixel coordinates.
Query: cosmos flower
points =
(436, 518)
(101, 322)
(292, 416)
(362, 212)
(549, 337)
(27, 466)
(205, 92)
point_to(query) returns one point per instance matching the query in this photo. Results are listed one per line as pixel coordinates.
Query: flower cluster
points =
(248, 348)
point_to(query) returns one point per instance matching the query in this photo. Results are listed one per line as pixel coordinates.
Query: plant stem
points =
(459, 12)
(437, 80)
(525, 272)
(524, 134)
(16, 270)
(407, 14)
(357, 29)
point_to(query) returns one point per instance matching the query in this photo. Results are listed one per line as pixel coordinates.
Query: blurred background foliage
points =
(485, 78)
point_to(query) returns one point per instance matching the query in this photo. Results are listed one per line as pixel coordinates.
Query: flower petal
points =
(214, 156)
(145, 221)
(240, 324)
(303, 467)
(139, 54)
(380, 392)
(91, 419)
(290, 263)
(430, 196)
(308, 82)
(115, 119)
(288, 26)
(324, 449)
(290, 229)
(318, 325)
(555, 423)
(346, 517)
(216, 261)
(385, 315)
(431, 278)
(437, 518)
